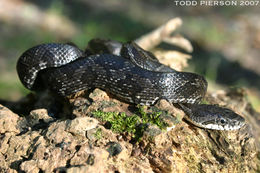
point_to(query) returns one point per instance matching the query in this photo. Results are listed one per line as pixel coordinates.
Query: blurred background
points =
(226, 40)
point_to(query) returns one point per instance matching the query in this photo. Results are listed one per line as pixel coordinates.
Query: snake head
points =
(214, 117)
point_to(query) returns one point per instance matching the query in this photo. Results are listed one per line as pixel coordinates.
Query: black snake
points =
(124, 70)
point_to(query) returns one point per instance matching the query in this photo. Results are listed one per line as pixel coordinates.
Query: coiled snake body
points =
(125, 70)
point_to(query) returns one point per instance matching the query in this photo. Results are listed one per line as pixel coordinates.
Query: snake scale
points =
(126, 71)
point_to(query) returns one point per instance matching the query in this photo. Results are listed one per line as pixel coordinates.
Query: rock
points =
(89, 156)
(30, 166)
(114, 148)
(98, 95)
(8, 121)
(39, 116)
(186, 149)
(80, 125)
(42, 143)
(80, 106)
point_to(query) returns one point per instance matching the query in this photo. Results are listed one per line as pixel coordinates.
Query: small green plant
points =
(152, 118)
(98, 133)
(120, 122)
(134, 125)
(204, 101)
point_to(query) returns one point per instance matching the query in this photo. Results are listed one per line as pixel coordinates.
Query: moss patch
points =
(134, 125)
(98, 133)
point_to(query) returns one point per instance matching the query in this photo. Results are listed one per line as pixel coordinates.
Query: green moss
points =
(204, 102)
(119, 122)
(98, 134)
(134, 125)
(178, 119)
(152, 118)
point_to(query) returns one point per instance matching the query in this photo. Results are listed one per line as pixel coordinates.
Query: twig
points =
(179, 41)
(155, 37)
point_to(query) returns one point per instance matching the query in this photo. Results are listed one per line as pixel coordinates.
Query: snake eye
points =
(222, 121)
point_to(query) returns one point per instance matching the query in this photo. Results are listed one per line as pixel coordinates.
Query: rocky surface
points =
(79, 142)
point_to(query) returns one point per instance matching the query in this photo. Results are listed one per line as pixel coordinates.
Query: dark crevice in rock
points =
(220, 159)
